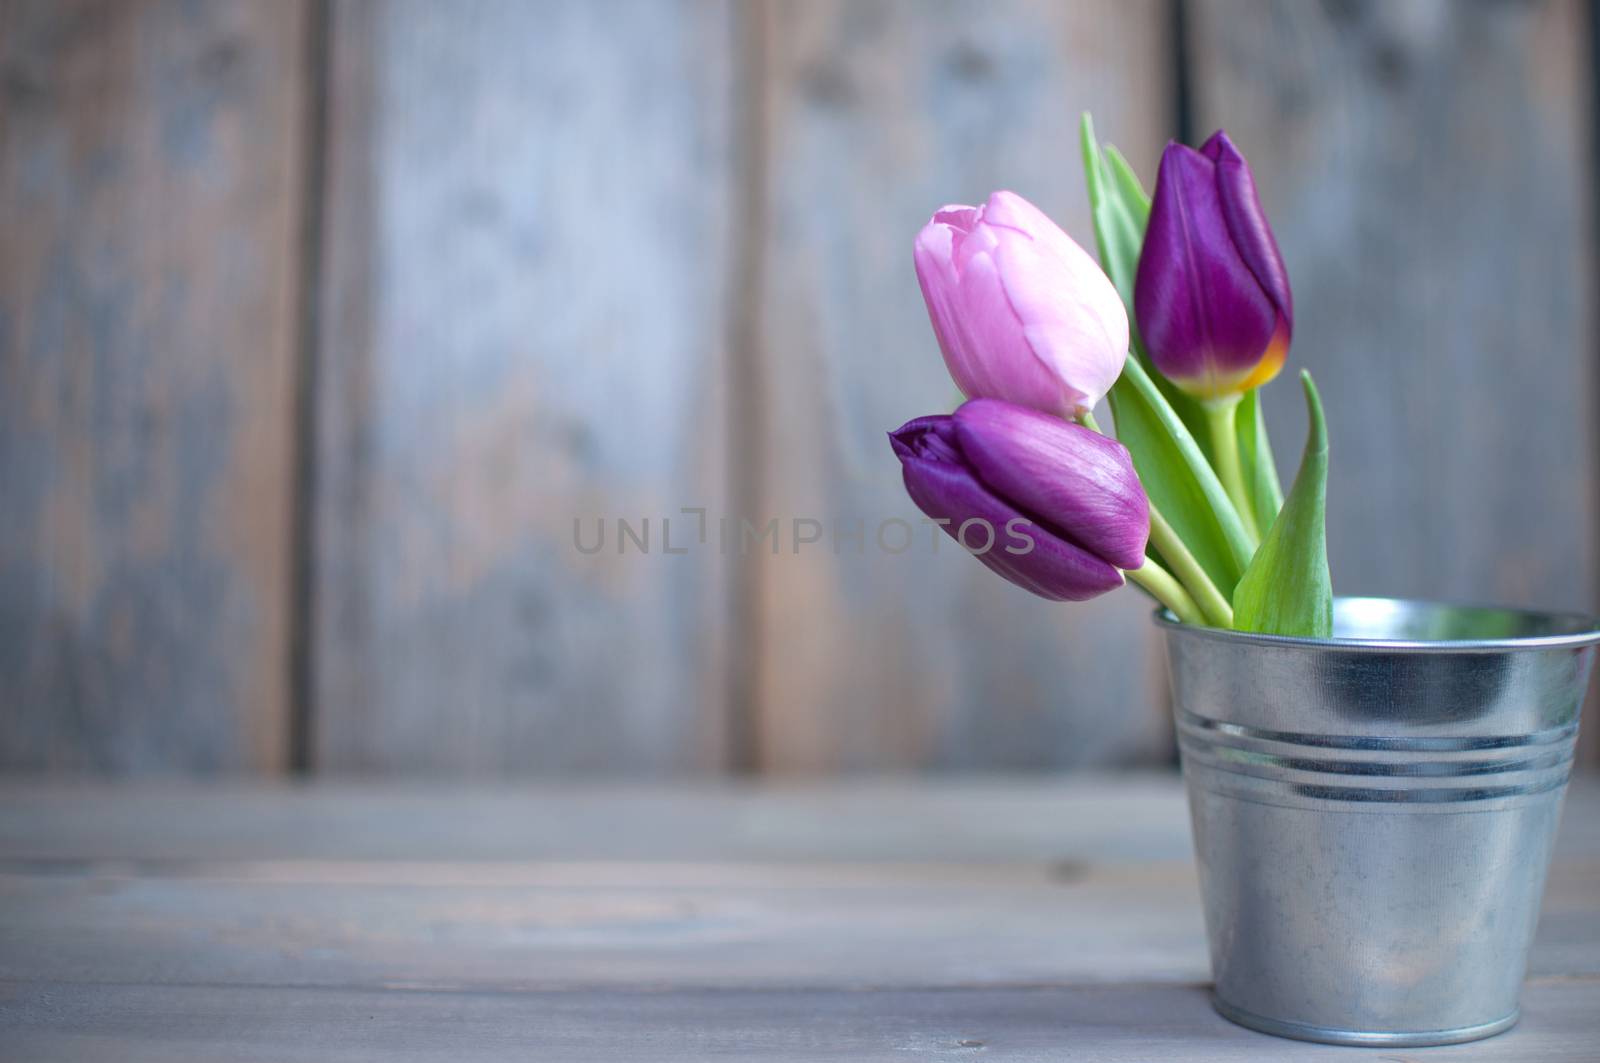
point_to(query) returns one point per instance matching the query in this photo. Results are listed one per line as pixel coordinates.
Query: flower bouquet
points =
(1374, 784)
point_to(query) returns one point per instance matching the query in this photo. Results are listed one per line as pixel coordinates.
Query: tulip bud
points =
(1021, 312)
(1211, 295)
(1063, 506)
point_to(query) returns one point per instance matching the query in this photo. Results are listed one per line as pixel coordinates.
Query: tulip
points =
(1021, 312)
(1058, 508)
(1211, 295)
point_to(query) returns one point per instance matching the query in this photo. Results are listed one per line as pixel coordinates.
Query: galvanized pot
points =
(1373, 813)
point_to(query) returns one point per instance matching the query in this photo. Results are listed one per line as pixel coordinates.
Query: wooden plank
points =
(1025, 1024)
(877, 114)
(588, 926)
(1094, 817)
(1087, 817)
(378, 955)
(523, 312)
(340, 887)
(1427, 169)
(465, 926)
(150, 200)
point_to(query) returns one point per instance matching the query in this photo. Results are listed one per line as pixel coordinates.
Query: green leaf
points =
(1177, 477)
(1120, 209)
(1172, 465)
(1287, 589)
(1255, 457)
(1132, 193)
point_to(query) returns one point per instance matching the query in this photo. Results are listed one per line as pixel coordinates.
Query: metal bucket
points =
(1373, 813)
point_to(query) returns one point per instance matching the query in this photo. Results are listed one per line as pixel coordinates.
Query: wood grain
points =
(189, 929)
(523, 311)
(1026, 1024)
(929, 887)
(1125, 818)
(568, 925)
(1429, 170)
(588, 926)
(608, 261)
(877, 114)
(1128, 818)
(1428, 173)
(149, 200)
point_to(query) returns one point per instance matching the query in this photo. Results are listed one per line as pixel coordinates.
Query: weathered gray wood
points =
(196, 932)
(523, 327)
(150, 209)
(564, 925)
(714, 888)
(877, 114)
(1099, 818)
(1127, 818)
(1428, 172)
(1023, 1024)
(469, 926)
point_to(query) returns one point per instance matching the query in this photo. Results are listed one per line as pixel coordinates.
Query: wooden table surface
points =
(1043, 919)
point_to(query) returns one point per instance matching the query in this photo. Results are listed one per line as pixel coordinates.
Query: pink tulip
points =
(1021, 312)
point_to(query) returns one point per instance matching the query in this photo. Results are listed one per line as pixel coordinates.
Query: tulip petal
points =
(1012, 211)
(1203, 317)
(1020, 311)
(1078, 481)
(1247, 226)
(1152, 416)
(1070, 312)
(1121, 210)
(957, 216)
(934, 257)
(982, 339)
(944, 487)
(1052, 567)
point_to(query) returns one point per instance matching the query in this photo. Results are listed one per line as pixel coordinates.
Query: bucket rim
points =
(1564, 629)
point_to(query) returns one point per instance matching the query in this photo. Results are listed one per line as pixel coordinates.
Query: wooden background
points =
(321, 322)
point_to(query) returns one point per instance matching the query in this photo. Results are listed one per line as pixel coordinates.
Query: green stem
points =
(1184, 566)
(1225, 445)
(1166, 590)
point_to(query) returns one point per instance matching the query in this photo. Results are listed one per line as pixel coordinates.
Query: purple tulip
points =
(1055, 508)
(1021, 312)
(1211, 296)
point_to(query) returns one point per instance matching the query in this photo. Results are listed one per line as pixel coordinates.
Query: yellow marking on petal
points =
(1271, 362)
(1212, 385)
